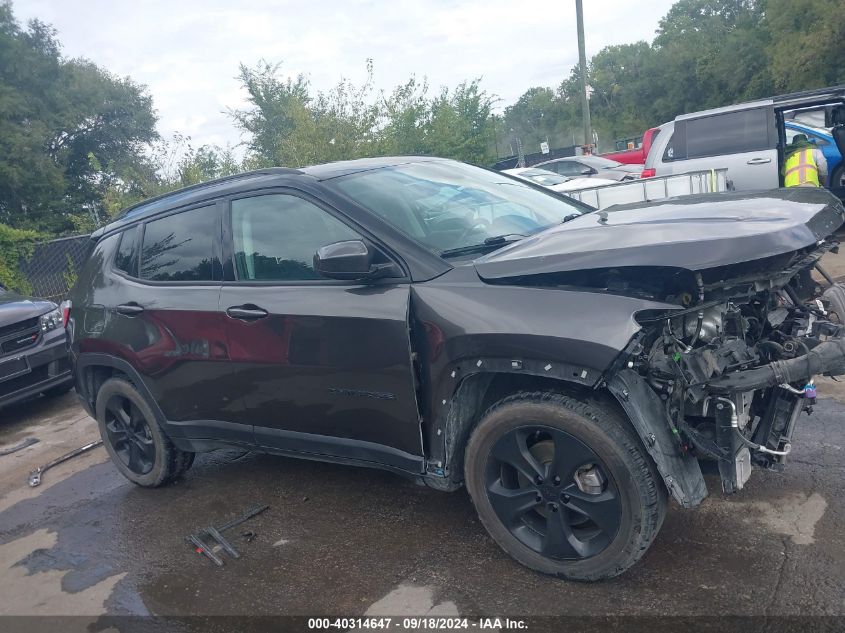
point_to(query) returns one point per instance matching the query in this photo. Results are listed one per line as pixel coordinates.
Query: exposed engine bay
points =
(735, 366)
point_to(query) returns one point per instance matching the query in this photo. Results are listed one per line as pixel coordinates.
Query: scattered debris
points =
(20, 446)
(249, 537)
(281, 541)
(35, 475)
(216, 534)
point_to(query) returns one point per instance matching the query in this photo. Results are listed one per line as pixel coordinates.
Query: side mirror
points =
(344, 260)
(588, 171)
(351, 261)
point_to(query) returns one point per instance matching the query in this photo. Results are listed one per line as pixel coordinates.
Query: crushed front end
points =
(735, 366)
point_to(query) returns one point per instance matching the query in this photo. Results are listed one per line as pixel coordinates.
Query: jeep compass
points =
(571, 368)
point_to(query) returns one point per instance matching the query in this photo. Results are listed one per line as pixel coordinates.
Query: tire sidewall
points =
(159, 472)
(838, 175)
(610, 451)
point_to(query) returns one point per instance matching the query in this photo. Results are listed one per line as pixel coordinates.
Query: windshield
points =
(450, 205)
(543, 177)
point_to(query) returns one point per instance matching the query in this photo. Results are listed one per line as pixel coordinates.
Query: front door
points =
(324, 365)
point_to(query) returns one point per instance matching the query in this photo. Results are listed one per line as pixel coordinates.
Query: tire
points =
(607, 504)
(55, 392)
(133, 438)
(837, 178)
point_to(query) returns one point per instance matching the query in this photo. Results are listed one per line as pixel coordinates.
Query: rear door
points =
(162, 316)
(743, 141)
(324, 365)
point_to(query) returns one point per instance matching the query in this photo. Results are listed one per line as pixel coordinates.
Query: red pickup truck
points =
(635, 156)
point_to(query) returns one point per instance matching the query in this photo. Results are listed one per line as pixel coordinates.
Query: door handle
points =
(248, 312)
(129, 309)
(759, 161)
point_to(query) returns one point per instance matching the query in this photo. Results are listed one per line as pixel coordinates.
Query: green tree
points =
(539, 115)
(709, 53)
(67, 130)
(807, 43)
(15, 245)
(288, 125)
(623, 90)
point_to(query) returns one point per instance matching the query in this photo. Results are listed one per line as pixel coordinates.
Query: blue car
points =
(824, 141)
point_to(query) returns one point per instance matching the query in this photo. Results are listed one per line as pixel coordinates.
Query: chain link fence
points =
(510, 162)
(54, 266)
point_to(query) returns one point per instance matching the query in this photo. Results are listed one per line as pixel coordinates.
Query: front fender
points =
(680, 471)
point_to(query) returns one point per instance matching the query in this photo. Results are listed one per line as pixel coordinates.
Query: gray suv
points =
(746, 138)
(33, 351)
(464, 328)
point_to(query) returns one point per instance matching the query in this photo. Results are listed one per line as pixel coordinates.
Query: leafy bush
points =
(15, 245)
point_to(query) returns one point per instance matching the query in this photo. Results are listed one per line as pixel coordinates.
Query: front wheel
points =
(565, 487)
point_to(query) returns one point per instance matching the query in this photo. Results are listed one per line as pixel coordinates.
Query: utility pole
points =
(582, 62)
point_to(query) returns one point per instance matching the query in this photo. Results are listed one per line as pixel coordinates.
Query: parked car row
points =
(592, 167)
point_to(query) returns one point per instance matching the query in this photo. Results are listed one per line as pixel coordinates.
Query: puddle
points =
(38, 590)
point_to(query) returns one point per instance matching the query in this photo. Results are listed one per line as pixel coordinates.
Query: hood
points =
(15, 308)
(693, 232)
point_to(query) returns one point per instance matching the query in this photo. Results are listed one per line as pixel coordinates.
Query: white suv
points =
(746, 138)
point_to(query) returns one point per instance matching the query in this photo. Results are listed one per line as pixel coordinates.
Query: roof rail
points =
(817, 92)
(268, 171)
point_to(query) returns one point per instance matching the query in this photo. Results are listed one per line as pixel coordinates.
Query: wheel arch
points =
(645, 411)
(93, 369)
(471, 396)
(626, 392)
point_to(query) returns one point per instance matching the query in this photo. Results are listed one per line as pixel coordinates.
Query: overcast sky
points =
(187, 51)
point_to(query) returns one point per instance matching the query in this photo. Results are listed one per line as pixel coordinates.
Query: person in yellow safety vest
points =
(805, 165)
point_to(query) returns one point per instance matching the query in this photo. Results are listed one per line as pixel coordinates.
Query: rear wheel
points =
(563, 486)
(133, 438)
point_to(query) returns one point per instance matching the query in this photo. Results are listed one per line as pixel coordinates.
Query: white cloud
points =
(187, 52)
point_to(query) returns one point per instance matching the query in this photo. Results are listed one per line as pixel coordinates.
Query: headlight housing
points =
(51, 320)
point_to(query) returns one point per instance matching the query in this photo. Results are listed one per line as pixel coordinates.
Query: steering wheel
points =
(478, 223)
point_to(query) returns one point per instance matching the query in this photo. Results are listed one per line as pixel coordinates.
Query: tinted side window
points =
(180, 247)
(730, 133)
(126, 258)
(276, 236)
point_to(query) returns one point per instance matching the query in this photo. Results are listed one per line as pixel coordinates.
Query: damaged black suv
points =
(452, 324)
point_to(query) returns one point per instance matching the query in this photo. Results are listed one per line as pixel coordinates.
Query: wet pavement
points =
(348, 541)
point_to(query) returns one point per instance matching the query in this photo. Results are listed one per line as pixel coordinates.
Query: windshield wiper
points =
(503, 239)
(488, 243)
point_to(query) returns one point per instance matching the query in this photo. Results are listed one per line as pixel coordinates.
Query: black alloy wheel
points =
(133, 437)
(564, 484)
(129, 434)
(552, 493)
